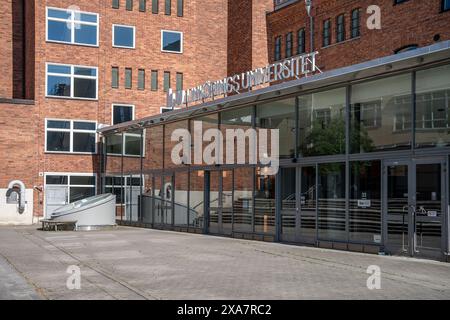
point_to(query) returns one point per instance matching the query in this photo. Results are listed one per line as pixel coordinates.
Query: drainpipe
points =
(21, 186)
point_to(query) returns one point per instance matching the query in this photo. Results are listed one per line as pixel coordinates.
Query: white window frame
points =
(68, 185)
(122, 105)
(126, 134)
(181, 45)
(71, 131)
(72, 21)
(72, 76)
(124, 26)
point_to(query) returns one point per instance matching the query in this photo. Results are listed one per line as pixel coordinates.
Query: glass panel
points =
(158, 203)
(308, 203)
(166, 81)
(227, 202)
(141, 79)
(85, 88)
(332, 201)
(56, 180)
(80, 71)
(381, 115)
(154, 148)
(115, 77)
(288, 202)
(322, 123)
(80, 193)
(86, 17)
(124, 36)
(122, 114)
(132, 145)
(169, 144)
(264, 202)
(85, 34)
(128, 78)
(397, 207)
(365, 202)
(181, 199)
(171, 41)
(235, 120)
(279, 115)
(58, 86)
(83, 142)
(202, 124)
(243, 199)
(428, 206)
(82, 180)
(60, 14)
(214, 202)
(54, 68)
(432, 107)
(58, 141)
(155, 6)
(84, 125)
(154, 80)
(196, 201)
(56, 124)
(114, 144)
(180, 8)
(59, 31)
(168, 7)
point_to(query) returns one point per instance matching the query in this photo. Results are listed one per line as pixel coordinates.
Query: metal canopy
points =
(411, 59)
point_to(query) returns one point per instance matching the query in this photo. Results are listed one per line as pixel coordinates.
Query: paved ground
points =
(130, 263)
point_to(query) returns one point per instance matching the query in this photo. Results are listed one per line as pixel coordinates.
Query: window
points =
(70, 136)
(168, 9)
(301, 41)
(129, 5)
(141, 79)
(326, 33)
(179, 83)
(123, 36)
(71, 81)
(399, 1)
(166, 81)
(154, 86)
(155, 6)
(79, 185)
(122, 113)
(115, 4)
(128, 78)
(72, 27)
(142, 5)
(114, 77)
(277, 48)
(340, 28)
(121, 186)
(356, 23)
(406, 48)
(289, 45)
(127, 144)
(171, 41)
(180, 5)
(445, 5)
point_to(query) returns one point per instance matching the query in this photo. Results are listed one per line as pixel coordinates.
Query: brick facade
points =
(413, 22)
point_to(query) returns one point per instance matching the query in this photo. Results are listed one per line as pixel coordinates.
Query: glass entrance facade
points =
(363, 166)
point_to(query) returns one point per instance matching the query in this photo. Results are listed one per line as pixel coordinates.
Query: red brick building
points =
(403, 25)
(69, 67)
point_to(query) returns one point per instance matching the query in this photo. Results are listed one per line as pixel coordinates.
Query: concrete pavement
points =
(130, 263)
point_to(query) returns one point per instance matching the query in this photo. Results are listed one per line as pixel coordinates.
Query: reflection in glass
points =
(181, 199)
(381, 115)
(433, 107)
(214, 202)
(243, 199)
(308, 204)
(288, 203)
(322, 123)
(332, 201)
(279, 115)
(365, 202)
(196, 199)
(264, 202)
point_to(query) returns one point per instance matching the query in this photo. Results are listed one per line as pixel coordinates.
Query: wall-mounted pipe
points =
(21, 185)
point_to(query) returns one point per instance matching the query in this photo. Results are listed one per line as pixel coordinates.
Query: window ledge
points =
(17, 101)
(71, 153)
(69, 98)
(73, 44)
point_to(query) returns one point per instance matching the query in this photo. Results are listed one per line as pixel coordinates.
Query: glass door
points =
(415, 207)
(220, 202)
